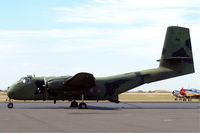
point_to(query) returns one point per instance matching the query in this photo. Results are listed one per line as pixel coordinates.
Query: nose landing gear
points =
(10, 104)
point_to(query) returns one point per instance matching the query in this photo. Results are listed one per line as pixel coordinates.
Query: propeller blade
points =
(46, 87)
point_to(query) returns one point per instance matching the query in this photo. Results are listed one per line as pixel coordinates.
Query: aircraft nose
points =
(10, 92)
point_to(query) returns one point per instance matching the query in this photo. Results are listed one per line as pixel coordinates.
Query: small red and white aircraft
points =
(186, 94)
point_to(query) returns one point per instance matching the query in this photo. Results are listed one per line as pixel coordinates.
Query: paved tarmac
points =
(101, 117)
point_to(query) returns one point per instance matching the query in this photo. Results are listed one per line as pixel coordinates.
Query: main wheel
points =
(189, 99)
(82, 105)
(74, 104)
(10, 105)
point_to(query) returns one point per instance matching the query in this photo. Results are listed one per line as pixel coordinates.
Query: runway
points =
(101, 117)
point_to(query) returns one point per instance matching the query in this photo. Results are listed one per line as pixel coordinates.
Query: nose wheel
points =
(10, 105)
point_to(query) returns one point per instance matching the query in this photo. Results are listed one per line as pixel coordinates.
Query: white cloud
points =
(115, 41)
(128, 12)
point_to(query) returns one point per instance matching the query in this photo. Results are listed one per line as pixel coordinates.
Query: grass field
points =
(2, 97)
(145, 97)
(132, 97)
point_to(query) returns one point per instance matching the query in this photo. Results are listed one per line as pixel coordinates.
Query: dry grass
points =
(3, 96)
(132, 97)
(146, 97)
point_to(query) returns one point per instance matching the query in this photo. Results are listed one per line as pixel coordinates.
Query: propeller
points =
(46, 90)
(46, 87)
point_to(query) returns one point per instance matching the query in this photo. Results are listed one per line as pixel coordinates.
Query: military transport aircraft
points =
(176, 60)
(186, 94)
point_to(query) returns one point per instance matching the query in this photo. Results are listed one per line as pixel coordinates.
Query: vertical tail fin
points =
(177, 51)
(176, 60)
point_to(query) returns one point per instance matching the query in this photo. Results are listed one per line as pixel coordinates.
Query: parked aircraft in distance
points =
(186, 94)
(176, 60)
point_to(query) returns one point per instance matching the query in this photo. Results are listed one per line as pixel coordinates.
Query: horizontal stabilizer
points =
(177, 58)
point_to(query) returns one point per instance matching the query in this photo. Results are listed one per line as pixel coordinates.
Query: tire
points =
(74, 104)
(189, 99)
(82, 105)
(10, 105)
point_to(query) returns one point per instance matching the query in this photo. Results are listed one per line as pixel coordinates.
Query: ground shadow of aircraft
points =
(108, 106)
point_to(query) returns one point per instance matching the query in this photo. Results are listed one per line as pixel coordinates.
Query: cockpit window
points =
(25, 80)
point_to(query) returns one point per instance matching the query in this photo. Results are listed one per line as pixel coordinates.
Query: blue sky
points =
(104, 37)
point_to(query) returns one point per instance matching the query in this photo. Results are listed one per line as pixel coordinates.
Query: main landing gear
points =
(74, 104)
(81, 105)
